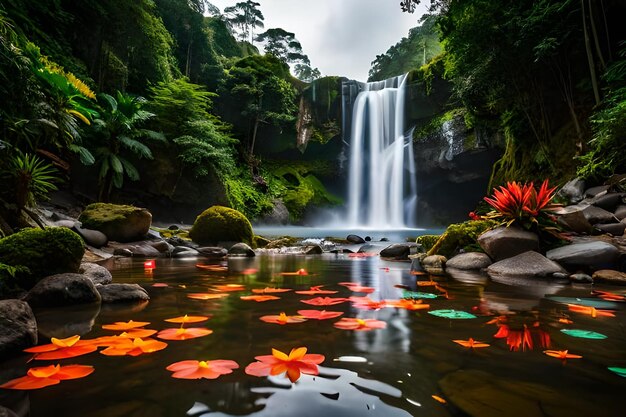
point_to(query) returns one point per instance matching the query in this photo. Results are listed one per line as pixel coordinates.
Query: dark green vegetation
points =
(221, 224)
(32, 254)
(544, 79)
(165, 103)
(458, 236)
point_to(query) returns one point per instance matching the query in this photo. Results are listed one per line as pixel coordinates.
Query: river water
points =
(391, 372)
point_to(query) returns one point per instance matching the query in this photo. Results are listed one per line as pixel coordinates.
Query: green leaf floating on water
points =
(619, 371)
(584, 334)
(452, 314)
(416, 294)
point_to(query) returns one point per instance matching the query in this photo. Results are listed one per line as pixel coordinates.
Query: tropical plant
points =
(245, 16)
(31, 180)
(523, 205)
(118, 133)
(283, 45)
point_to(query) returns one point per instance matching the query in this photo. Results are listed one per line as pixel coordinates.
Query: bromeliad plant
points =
(523, 205)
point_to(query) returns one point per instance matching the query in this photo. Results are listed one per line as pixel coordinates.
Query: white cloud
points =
(341, 37)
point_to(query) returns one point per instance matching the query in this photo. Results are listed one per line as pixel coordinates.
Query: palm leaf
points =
(130, 169)
(135, 146)
(116, 165)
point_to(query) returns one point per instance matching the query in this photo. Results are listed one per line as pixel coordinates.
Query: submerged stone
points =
(119, 293)
(529, 263)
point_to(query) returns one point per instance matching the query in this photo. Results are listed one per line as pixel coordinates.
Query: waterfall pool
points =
(412, 367)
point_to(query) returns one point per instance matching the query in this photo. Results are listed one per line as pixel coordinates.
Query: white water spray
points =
(382, 187)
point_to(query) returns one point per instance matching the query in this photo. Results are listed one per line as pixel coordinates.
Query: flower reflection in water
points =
(334, 392)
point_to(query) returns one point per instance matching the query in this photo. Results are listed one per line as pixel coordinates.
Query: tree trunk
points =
(256, 127)
(595, 37)
(592, 69)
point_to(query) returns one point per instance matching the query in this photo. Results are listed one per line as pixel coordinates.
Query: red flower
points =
(183, 334)
(49, 375)
(471, 343)
(316, 290)
(324, 301)
(282, 318)
(319, 315)
(202, 369)
(296, 363)
(133, 347)
(360, 324)
(259, 298)
(474, 216)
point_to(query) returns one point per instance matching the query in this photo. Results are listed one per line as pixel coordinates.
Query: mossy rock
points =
(260, 241)
(427, 241)
(119, 222)
(45, 252)
(221, 224)
(460, 236)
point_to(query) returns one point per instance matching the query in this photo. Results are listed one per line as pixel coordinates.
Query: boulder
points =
(278, 215)
(313, 250)
(118, 222)
(357, 240)
(61, 290)
(399, 251)
(282, 242)
(44, 252)
(161, 245)
(595, 215)
(141, 249)
(573, 218)
(580, 278)
(469, 260)
(528, 264)
(609, 276)
(608, 201)
(99, 275)
(221, 224)
(506, 242)
(369, 248)
(590, 253)
(65, 223)
(597, 191)
(93, 238)
(18, 328)
(183, 252)
(573, 191)
(122, 293)
(177, 241)
(212, 252)
(616, 229)
(241, 249)
(434, 261)
(620, 212)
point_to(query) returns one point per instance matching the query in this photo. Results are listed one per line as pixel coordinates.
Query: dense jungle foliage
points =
(171, 101)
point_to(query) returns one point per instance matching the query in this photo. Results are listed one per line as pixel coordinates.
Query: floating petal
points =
(268, 290)
(125, 325)
(259, 298)
(206, 296)
(324, 301)
(319, 315)
(187, 319)
(191, 369)
(417, 294)
(619, 371)
(182, 333)
(282, 318)
(584, 334)
(359, 324)
(452, 314)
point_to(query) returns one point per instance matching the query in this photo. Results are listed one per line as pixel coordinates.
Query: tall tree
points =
(246, 17)
(283, 45)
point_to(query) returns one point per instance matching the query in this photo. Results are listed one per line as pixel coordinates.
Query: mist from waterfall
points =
(382, 189)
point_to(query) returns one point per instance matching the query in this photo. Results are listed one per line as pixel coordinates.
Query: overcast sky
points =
(341, 37)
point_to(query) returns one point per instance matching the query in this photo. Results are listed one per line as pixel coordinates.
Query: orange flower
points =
(259, 298)
(229, 287)
(125, 325)
(134, 347)
(183, 334)
(268, 290)
(324, 301)
(471, 343)
(359, 288)
(282, 318)
(349, 284)
(319, 315)
(359, 324)
(316, 290)
(187, 319)
(296, 363)
(202, 369)
(609, 296)
(367, 303)
(408, 304)
(592, 311)
(206, 296)
(300, 271)
(49, 375)
(62, 348)
(561, 354)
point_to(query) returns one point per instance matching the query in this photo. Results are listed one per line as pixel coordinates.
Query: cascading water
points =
(382, 190)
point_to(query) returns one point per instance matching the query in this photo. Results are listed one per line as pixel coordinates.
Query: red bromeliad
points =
(520, 202)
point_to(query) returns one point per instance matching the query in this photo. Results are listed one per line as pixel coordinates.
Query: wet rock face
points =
(610, 276)
(119, 223)
(241, 249)
(585, 254)
(18, 328)
(506, 242)
(399, 251)
(469, 261)
(119, 293)
(96, 273)
(63, 289)
(528, 264)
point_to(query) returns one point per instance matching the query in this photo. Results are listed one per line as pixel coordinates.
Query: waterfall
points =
(381, 180)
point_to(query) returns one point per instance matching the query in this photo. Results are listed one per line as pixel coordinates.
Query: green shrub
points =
(44, 252)
(460, 236)
(427, 241)
(8, 284)
(221, 224)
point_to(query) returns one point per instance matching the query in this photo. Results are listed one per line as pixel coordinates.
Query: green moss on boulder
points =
(118, 222)
(460, 236)
(221, 224)
(44, 252)
(427, 241)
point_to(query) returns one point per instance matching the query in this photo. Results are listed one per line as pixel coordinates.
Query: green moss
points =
(45, 252)
(459, 236)
(427, 241)
(96, 215)
(260, 241)
(221, 224)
